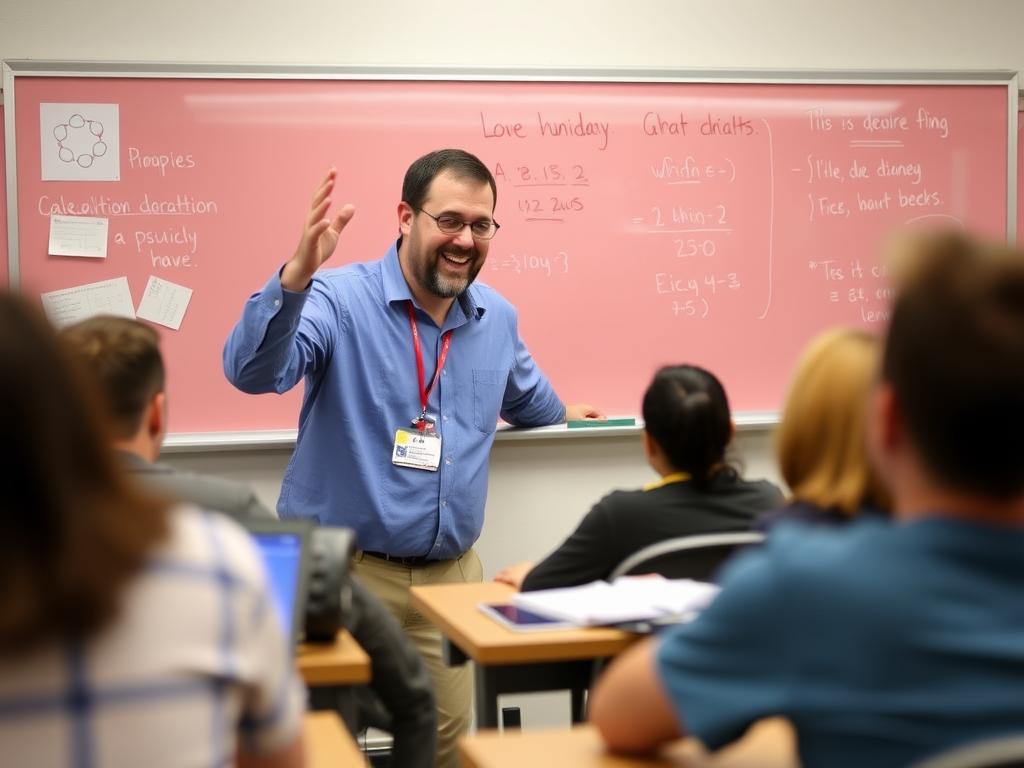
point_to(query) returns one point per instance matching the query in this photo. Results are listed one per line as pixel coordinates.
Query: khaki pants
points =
(453, 686)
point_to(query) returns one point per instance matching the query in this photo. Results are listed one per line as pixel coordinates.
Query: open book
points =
(628, 598)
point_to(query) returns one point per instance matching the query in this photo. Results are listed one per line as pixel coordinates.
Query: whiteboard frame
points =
(15, 69)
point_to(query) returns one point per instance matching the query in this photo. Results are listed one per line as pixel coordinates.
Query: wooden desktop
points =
(342, 662)
(509, 661)
(328, 744)
(768, 744)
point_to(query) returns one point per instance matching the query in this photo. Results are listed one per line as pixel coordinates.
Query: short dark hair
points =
(954, 357)
(458, 162)
(73, 531)
(124, 357)
(686, 411)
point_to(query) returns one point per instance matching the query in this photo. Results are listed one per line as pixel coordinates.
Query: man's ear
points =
(885, 431)
(651, 447)
(890, 417)
(156, 417)
(405, 214)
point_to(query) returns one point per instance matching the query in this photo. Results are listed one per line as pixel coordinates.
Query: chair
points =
(1005, 752)
(690, 557)
(695, 557)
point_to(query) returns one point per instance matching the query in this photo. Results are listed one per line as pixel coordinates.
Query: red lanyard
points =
(446, 341)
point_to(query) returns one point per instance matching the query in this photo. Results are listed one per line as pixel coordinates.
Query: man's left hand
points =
(580, 411)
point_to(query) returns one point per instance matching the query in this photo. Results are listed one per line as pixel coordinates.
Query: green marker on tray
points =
(592, 423)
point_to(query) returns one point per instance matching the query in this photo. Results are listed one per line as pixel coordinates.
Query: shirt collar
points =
(675, 477)
(396, 289)
(133, 462)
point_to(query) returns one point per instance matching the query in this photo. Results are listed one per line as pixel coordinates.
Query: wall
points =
(538, 488)
(871, 34)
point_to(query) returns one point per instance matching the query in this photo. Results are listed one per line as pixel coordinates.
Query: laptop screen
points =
(282, 556)
(284, 549)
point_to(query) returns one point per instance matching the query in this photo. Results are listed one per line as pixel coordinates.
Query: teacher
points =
(408, 365)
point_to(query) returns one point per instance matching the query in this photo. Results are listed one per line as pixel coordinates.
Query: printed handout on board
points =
(78, 236)
(79, 142)
(164, 302)
(71, 305)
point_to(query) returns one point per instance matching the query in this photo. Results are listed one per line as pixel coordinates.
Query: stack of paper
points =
(629, 598)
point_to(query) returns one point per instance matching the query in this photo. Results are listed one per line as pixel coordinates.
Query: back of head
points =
(821, 442)
(71, 530)
(954, 359)
(686, 411)
(458, 162)
(124, 357)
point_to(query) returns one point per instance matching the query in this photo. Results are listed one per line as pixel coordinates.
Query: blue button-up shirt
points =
(348, 337)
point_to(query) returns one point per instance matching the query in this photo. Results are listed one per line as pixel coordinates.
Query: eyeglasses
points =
(453, 225)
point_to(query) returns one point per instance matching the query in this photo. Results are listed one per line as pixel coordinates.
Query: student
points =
(131, 633)
(821, 444)
(882, 643)
(687, 429)
(123, 357)
(408, 364)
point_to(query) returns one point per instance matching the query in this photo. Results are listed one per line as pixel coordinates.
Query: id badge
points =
(416, 449)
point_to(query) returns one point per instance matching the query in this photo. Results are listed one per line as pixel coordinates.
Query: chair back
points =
(687, 557)
(1004, 752)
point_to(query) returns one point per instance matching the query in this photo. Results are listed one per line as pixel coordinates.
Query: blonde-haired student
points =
(821, 442)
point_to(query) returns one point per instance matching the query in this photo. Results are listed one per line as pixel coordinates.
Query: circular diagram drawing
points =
(80, 140)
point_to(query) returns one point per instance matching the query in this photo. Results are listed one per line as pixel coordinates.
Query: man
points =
(886, 642)
(124, 355)
(408, 365)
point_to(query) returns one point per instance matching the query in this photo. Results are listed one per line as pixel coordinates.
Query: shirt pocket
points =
(488, 392)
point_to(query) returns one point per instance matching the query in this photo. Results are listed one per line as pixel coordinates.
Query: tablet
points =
(521, 620)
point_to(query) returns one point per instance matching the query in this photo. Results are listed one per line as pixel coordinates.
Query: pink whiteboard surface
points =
(642, 223)
(1020, 178)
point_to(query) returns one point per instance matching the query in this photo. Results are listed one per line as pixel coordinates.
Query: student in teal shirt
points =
(885, 642)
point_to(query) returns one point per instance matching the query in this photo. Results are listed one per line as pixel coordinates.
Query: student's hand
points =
(583, 411)
(319, 237)
(514, 574)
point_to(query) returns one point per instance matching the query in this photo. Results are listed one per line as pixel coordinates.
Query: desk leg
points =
(579, 707)
(451, 654)
(485, 696)
(492, 681)
(336, 698)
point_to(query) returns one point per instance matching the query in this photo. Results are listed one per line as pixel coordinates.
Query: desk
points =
(331, 670)
(768, 744)
(342, 662)
(328, 744)
(508, 661)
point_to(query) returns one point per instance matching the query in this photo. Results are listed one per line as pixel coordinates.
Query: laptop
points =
(284, 546)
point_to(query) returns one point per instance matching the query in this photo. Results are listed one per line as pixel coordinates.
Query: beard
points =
(445, 286)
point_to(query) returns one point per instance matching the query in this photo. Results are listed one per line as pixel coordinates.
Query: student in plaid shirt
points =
(132, 633)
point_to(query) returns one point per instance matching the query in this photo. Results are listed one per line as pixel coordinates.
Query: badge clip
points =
(423, 424)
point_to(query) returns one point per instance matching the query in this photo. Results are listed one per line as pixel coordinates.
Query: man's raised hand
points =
(319, 237)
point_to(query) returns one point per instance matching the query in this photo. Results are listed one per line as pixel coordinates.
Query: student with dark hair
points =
(882, 642)
(408, 362)
(131, 632)
(687, 429)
